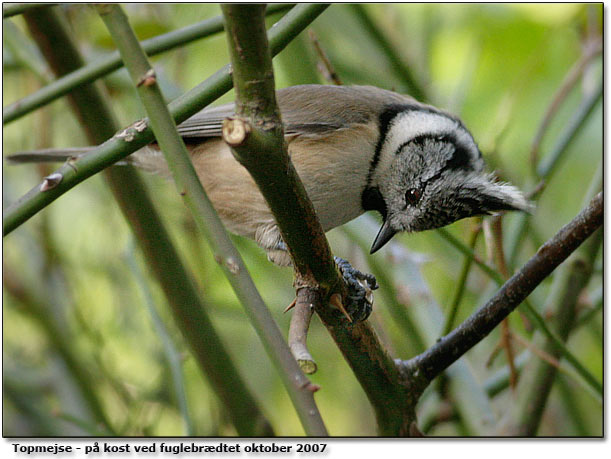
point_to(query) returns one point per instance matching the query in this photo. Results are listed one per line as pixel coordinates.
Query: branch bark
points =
(425, 367)
(298, 329)
(392, 398)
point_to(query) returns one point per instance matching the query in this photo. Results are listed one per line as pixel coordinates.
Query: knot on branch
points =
(148, 79)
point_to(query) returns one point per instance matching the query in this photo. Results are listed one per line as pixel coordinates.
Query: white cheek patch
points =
(415, 123)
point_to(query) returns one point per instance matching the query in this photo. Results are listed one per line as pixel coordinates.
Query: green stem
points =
(172, 355)
(13, 9)
(208, 221)
(107, 64)
(59, 340)
(558, 344)
(461, 284)
(264, 153)
(535, 389)
(470, 254)
(23, 52)
(52, 33)
(531, 313)
(137, 135)
(401, 70)
(550, 162)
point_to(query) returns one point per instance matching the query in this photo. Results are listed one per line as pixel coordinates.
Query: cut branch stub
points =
(298, 331)
(235, 131)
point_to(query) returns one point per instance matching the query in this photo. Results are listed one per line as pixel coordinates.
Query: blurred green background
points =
(77, 293)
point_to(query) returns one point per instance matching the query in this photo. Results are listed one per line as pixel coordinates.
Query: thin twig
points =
(170, 351)
(499, 256)
(549, 163)
(537, 351)
(568, 284)
(493, 355)
(469, 253)
(529, 311)
(499, 381)
(461, 283)
(298, 329)
(325, 66)
(592, 49)
(402, 71)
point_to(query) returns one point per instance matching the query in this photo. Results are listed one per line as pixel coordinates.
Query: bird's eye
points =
(412, 196)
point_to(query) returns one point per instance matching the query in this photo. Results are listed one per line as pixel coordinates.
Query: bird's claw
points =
(359, 300)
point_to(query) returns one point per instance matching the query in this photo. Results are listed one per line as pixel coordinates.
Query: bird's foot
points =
(359, 301)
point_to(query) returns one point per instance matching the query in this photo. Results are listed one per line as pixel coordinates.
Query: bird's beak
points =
(384, 235)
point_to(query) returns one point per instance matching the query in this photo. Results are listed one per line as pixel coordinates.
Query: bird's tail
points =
(49, 155)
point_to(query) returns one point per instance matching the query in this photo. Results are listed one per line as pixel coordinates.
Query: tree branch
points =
(569, 283)
(529, 311)
(257, 128)
(13, 9)
(298, 329)
(52, 34)
(107, 64)
(139, 133)
(187, 182)
(432, 362)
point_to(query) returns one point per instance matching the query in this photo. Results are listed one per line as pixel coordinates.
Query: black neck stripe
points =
(384, 122)
(372, 199)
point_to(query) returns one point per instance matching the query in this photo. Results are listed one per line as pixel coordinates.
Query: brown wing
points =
(306, 110)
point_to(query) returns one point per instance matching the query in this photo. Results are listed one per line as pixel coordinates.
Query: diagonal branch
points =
(51, 32)
(257, 128)
(446, 351)
(107, 64)
(185, 177)
(139, 134)
(402, 71)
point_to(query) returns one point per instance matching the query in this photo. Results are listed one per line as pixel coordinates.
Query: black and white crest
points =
(428, 172)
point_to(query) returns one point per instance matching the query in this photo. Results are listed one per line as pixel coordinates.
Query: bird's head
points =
(430, 174)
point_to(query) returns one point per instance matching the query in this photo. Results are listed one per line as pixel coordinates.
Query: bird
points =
(356, 149)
